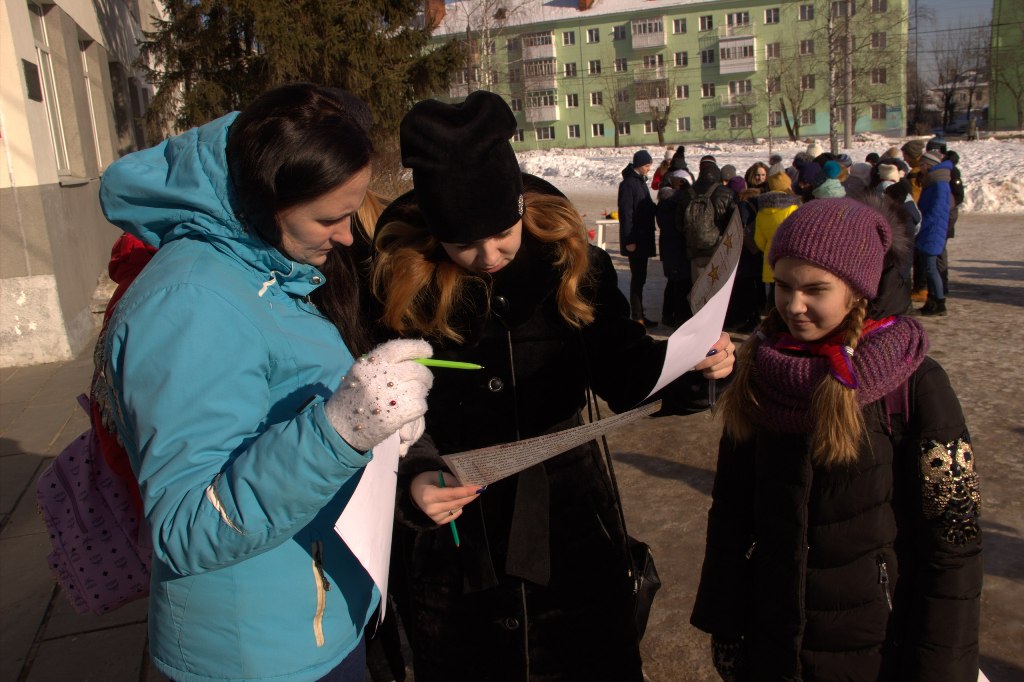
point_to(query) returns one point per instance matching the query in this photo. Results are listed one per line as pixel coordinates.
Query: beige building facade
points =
(70, 103)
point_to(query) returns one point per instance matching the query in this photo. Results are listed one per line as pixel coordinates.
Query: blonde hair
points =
(837, 418)
(422, 290)
(368, 212)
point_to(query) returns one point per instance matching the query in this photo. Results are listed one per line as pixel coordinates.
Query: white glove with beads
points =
(384, 391)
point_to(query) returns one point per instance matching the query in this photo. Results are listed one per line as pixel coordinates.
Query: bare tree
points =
(485, 23)
(1010, 75)
(652, 97)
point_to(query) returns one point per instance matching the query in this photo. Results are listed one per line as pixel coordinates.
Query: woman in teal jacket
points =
(222, 361)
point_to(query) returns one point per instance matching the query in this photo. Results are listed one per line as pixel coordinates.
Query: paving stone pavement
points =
(665, 468)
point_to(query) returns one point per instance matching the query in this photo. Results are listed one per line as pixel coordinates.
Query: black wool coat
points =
(538, 589)
(636, 214)
(871, 572)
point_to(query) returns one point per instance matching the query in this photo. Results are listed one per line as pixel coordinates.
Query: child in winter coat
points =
(843, 539)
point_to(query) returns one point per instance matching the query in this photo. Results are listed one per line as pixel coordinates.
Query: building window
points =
(737, 52)
(683, 124)
(679, 26)
(707, 90)
(593, 35)
(773, 85)
(709, 122)
(707, 56)
(539, 67)
(623, 127)
(541, 98)
(49, 83)
(806, 47)
(537, 39)
(682, 58)
(740, 88)
(741, 120)
(570, 69)
(515, 74)
(572, 101)
(622, 95)
(807, 117)
(569, 37)
(878, 41)
(621, 64)
(515, 104)
(573, 131)
(653, 61)
(775, 119)
(843, 8)
(772, 50)
(596, 98)
(879, 5)
(546, 133)
(878, 112)
(706, 22)
(878, 76)
(807, 81)
(594, 67)
(519, 136)
(618, 32)
(682, 92)
(806, 12)
(646, 26)
(771, 15)
(513, 45)
(597, 130)
(737, 19)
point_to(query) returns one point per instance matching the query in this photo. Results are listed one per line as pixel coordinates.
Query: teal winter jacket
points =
(219, 368)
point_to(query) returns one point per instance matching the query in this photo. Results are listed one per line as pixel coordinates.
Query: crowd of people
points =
(920, 181)
(273, 339)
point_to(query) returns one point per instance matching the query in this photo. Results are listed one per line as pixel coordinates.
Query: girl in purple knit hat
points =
(843, 539)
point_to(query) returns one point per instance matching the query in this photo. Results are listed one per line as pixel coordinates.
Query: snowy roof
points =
(524, 12)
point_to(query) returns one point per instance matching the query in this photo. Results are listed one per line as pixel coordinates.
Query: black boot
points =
(938, 307)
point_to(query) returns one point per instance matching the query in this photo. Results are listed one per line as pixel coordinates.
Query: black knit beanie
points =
(465, 175)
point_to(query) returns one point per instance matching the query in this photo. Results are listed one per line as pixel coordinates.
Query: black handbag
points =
(642, 571)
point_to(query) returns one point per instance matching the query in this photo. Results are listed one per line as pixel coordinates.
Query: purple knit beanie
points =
(842, 236)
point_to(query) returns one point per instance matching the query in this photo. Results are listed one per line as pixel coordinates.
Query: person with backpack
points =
(773, 207)
(237, 393)
(843, 538)
(703, 214)
(636, 230)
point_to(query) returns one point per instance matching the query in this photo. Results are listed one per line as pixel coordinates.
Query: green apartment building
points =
(576, 72)
(1006, 83)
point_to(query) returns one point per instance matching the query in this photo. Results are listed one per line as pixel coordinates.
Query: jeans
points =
(933, 278)
(637, 280)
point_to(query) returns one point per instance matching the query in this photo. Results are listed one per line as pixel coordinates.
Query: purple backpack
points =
(101, 549)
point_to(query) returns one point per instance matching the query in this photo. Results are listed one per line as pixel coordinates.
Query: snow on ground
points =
(992, 168)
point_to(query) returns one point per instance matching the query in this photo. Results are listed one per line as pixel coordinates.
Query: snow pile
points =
(992, 169)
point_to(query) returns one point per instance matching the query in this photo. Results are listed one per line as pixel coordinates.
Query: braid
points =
(838, 421)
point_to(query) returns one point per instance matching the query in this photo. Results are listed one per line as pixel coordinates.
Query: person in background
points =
(675, 306)
(773, 207)
(663, 168)
(843, 538)
(748, 296)
(728, 173)
(723, 201)
(235, 391)
(636, 230)
(493, 267)
(872, 158)
(935, 205)
(757, 175)
(828, 185)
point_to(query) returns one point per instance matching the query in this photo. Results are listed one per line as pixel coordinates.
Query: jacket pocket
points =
(323, 585)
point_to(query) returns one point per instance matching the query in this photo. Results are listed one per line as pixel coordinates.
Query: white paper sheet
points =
(690, 343)
(367, 520)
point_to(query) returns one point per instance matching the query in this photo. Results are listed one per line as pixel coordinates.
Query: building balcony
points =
(543, 81)
(645, 40)
(735, 31)
(642, 74)
(734, 101)
(539, 114)
(646, 106)
(539, 52)
(744, 65)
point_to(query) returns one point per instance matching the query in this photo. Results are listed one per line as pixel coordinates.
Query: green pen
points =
(450, 364)
(440, 480)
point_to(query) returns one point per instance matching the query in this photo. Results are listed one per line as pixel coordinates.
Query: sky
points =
(990, 166)
(955, 12)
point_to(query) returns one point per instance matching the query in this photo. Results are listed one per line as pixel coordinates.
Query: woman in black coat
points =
(843, 539)
(538, 587)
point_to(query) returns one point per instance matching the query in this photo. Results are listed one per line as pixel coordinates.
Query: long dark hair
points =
(291, 145)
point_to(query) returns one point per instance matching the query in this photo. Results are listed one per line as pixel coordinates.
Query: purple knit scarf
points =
(784, 382)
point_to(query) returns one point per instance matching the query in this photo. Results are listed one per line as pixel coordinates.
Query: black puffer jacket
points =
(722, 199)
(871, 573)
(538, 588)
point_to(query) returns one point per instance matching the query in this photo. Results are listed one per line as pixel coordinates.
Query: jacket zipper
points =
(883, 580)
(323, 586)
(750, 552)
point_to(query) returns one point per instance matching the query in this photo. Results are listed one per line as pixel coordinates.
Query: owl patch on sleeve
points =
(949, 491)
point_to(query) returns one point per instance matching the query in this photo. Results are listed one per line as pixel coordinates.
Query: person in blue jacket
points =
(233, 385)
(935, 203)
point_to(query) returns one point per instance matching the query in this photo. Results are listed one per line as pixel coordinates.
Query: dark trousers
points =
(637, 280)
(920, 271)
(675, 308)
